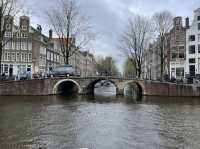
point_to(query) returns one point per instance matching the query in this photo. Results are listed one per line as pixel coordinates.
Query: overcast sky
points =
(109, 17)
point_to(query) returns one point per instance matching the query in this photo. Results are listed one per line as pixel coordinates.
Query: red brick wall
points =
(167, 89)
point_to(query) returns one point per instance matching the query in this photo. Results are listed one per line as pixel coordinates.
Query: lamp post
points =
(86, 63)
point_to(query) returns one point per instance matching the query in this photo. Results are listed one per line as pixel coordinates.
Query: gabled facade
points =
(192, 67)
(17, 52)
(177, 49)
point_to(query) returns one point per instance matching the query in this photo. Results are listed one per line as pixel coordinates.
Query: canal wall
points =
(169, 89)
(38, 87)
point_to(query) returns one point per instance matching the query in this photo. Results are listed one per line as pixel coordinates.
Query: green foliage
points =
(106, 66)
(129, 68)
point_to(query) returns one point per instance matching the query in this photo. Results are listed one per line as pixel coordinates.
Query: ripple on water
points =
(55, 122)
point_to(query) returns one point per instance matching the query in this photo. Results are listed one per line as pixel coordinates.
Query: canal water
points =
(56, 122)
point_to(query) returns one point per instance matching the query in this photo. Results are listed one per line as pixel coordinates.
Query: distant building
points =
(88, 64)
(54, 54)
(192, 67)
(151, 62)
(82, 61)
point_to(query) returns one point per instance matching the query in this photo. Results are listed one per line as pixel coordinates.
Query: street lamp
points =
(86, 63)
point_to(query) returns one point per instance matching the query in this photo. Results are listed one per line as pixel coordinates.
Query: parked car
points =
(189, 79)
(63, 70)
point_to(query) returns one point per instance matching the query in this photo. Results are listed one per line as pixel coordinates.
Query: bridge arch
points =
(137, 86)
(67, 86)
(92, 83)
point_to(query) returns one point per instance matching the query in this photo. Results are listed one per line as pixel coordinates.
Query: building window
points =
(173, 72)
(199, 63)
(22, 57)
(174, 56)
(24, 27)
(192, 60)
(180, 72)
(198, 37)
(19, 35)
(57, 58)
(8, 34)
(181, 48)
(1, 68)
(192, 49)
(23, 46)
(29, 57)
(25, 57)
(24, 35)
(198, 18)
(54, 57)
(198, 26)
(192, 38)
(181, 55)
(13, 56)
(199, 48)
(2, 56)
(8, 56)
(8, 45)
(18, 57)
(48, 55)
(18, 45)
(23, 68)
(8, 26)
(29, 46)
(5, 68)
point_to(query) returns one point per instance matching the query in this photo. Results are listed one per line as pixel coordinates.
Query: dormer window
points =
(8, 27)
(177, 22)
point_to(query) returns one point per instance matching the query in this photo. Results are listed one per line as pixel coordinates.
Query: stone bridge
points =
(53, 86)
(57, 85)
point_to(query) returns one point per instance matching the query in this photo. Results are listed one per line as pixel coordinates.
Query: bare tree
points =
(69, 26)
(134, 41)
(8, 10)
(163, 23)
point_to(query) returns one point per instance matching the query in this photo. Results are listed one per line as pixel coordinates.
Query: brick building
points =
(177, 50)
(24, 50)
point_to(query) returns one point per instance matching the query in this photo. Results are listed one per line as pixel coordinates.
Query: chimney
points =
(177, 21)
(39, 28)
(50, 34)
(187, 23)
(24, 23)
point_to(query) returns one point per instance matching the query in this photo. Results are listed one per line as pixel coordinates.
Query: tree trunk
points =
(67, 57)
(161, 57)
(139, 73)
(1, 49)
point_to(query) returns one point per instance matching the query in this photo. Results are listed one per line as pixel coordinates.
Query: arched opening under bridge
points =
(102, 87)
(66, 87)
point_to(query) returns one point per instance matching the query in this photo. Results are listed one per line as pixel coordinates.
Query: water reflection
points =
(96, 122)
(105, 88)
